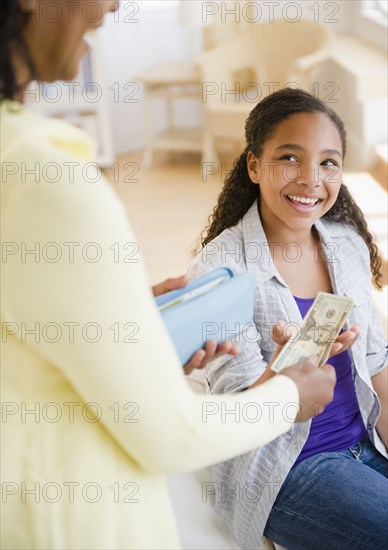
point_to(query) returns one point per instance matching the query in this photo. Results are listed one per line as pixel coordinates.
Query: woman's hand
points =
(170, 284)
(211, 350)
(315, 386)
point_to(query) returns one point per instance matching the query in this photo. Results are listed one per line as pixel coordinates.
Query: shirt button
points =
(276, 479)
(296, 446)
(260, 513)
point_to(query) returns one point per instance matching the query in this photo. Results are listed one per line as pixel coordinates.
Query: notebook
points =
(217, 306)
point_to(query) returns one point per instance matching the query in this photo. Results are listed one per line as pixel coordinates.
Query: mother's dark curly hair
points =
(239, 193)
(12, 22)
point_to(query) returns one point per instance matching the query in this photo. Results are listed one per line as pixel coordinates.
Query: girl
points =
(285, 216)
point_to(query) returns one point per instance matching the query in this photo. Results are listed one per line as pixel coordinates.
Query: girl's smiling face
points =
(299, 171)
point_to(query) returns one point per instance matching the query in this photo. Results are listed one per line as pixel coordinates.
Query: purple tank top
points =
(340, 425)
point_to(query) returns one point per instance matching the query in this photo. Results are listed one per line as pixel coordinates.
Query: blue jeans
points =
(333, 501)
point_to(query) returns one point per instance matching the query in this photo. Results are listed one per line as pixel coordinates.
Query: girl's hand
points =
(345, 340)
(341, 343)
(211, 350)
(281, 336)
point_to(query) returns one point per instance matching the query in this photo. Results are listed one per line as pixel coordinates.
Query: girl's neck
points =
(277, 233)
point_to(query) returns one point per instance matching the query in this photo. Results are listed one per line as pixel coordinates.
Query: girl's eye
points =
(289, 157)
(329, 162)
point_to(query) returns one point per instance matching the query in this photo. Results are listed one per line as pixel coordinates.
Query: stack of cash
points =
(317, 333)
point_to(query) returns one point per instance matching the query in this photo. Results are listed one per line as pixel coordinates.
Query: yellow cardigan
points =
(96, 409)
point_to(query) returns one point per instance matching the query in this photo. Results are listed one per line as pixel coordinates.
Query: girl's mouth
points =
(301, 202)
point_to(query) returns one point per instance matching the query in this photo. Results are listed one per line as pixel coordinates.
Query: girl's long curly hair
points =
(12, 22)
(239, 193)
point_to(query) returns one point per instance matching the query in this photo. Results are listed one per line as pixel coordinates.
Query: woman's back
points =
(67, 482)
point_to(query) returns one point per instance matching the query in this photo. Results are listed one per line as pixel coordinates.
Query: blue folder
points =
(220, 313)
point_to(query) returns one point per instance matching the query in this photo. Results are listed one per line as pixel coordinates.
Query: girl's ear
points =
(253, 167)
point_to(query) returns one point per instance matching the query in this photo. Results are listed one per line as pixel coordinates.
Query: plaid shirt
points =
(246, 487)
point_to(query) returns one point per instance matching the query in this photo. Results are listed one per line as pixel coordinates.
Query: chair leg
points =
(147, 157)
(209, 152)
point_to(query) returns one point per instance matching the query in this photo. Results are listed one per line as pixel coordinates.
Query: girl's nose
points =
(310, 176)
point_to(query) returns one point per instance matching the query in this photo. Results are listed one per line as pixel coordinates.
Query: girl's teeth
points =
(303, 200)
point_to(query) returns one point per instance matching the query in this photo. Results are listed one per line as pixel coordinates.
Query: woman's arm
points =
(119, 352)
(380, 385)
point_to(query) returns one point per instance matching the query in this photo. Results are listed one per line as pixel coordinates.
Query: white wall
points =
(129, 48)
(369, 23)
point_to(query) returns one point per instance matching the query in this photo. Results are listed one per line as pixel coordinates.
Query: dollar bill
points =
(317, 332)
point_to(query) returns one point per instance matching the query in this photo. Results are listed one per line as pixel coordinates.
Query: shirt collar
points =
(259, 259)
(257, 249)
(332, 235)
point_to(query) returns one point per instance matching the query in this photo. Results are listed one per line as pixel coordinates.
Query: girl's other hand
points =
(345, 340)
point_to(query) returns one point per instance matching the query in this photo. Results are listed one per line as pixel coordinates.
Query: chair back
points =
(262, 55)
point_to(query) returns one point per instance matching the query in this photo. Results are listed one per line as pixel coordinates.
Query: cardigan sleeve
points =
(74, 273)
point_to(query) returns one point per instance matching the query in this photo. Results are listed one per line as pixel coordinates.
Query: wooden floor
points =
(168, 206)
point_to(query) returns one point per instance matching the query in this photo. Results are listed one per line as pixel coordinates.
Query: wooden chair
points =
(250, 64)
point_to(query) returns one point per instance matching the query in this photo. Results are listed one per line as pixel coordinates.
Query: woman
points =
(96, 408)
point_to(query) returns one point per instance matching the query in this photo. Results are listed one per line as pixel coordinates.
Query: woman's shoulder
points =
(48, 163)
(23, 130)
